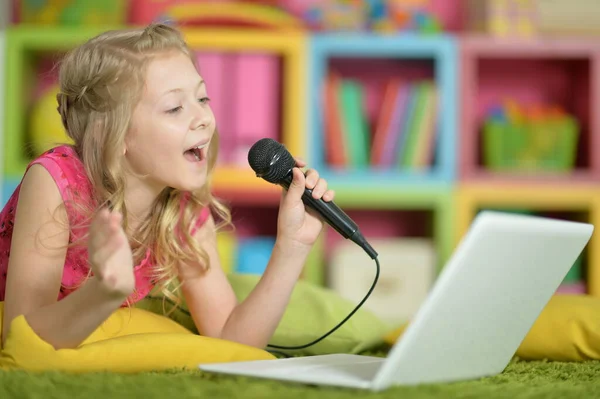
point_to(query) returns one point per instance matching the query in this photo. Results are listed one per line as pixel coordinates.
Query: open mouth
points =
(196, 154)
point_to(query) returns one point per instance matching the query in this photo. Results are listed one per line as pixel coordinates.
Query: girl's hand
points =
(110, 254)
(296, 226)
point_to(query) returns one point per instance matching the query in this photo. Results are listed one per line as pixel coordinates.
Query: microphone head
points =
(270, 160)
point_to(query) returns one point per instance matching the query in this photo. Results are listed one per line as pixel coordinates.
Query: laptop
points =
(481, 307)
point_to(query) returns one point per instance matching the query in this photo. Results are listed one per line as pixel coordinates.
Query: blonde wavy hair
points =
(101, 82)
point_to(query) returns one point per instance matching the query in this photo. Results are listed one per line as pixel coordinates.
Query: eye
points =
(174, 110)
(204, 100)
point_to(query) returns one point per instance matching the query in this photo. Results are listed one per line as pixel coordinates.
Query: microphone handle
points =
(334, 216)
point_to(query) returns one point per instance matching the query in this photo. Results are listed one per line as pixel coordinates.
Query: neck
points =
(139, 196)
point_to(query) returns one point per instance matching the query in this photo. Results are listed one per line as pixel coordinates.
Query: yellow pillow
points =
(130, 341)
(567, 329)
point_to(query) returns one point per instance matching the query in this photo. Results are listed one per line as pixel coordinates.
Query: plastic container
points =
(541, 146)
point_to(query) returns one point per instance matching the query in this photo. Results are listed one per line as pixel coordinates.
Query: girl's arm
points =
(35, 269)
(210, 298)
(213, 305)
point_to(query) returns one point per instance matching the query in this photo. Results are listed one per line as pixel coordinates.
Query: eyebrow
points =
(178, 89)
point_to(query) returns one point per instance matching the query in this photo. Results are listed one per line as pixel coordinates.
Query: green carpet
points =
(520, 380)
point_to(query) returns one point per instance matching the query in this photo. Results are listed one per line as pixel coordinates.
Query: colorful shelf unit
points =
(346, 117)
(533, 72)
(579, 203)
(435, 202)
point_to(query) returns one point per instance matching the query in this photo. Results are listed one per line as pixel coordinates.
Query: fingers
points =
(300, 162)
(296, 189)
(97, 229)
(310, 180)
(104, 235)
(318, 186)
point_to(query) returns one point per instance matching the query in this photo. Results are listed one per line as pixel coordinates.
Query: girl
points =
(96, 225)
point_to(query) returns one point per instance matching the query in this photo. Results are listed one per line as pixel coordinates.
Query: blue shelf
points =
(372, 178)
(440, 50)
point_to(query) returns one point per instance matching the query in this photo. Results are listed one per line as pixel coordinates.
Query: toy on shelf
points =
(536, 138)
(384, 16)
(247, 14)
(72, 12)
(404, 130)
(503, 18)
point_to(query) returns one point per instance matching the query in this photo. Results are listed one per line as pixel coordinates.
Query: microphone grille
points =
(270, 160)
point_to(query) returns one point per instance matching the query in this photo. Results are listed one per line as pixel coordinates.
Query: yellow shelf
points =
(292, 47)
(471, 198)
(232, 178)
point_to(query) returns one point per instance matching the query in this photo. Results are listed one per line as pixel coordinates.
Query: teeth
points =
(200, 146)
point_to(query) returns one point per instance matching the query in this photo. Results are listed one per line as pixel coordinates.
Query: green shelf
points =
(23, 44)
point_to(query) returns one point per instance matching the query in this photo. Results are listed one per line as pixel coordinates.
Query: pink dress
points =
(69, 174)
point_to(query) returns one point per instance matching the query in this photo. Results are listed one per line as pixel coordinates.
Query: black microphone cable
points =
(341, 322)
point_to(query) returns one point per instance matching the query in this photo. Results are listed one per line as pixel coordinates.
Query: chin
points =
(191, 184)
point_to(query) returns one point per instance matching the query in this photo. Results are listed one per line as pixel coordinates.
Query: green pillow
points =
(312, 311)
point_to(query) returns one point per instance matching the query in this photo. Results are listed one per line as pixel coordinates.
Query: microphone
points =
(272, 162)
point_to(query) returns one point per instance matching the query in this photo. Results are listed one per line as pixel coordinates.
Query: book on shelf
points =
(402, 134)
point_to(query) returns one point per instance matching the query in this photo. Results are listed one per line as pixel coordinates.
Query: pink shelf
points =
(561, 71)
(386, 223)
(254, 220)
(245, 92)
(243, 196)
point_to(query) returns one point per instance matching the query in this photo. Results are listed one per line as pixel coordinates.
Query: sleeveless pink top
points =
(68, 172)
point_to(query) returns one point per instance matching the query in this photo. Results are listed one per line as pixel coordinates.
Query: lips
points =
(197, 152)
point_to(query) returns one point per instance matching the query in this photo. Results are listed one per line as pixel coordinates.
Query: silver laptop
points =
(480, 309)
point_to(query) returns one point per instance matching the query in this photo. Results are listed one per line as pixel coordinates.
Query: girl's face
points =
(171, 127)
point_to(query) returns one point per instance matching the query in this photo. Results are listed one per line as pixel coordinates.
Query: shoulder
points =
(66, 169)
(39, 191)
(36, 193)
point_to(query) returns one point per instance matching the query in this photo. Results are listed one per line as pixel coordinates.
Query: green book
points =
(354, 123)
(407, 158)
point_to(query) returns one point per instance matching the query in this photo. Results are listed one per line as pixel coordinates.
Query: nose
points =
(202, 117)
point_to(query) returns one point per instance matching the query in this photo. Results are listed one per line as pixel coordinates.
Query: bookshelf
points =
(437, 202)
(409, 58)
(563, 72)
